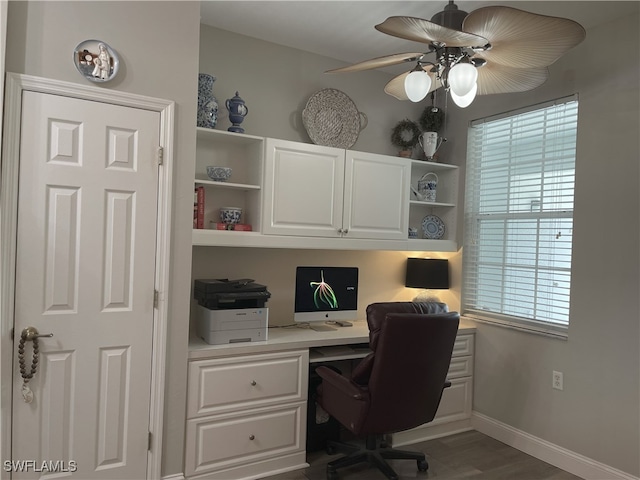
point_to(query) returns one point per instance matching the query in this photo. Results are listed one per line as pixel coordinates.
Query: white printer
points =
(231, 311)
(218, 327)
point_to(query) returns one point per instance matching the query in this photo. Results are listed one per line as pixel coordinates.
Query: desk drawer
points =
(463, 346)
(456, 401)
(460, 367)
(225, 441)
(237, 383)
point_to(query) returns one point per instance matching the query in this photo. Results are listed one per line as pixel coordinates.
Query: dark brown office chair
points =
(395, 388)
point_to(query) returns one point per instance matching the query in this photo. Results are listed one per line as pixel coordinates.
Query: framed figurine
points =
(96, 60)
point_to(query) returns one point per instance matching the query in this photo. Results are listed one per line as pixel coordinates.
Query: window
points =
(519, 217)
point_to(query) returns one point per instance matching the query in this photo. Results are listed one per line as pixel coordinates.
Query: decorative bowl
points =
(230, 215)
(218, 174)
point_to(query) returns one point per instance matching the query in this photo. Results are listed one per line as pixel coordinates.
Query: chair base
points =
(375, 453)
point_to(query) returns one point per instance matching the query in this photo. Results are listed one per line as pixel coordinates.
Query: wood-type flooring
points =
(468, 455)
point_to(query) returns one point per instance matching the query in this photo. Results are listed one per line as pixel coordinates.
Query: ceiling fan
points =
(494, 49)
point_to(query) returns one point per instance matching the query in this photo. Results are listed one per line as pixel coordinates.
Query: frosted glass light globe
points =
(417, 85)
(464, 100)
(462, 78)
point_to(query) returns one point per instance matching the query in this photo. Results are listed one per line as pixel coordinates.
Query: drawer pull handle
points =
(252, 437)
(253, 384)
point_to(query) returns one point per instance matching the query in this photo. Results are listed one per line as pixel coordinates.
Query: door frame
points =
(9, 170)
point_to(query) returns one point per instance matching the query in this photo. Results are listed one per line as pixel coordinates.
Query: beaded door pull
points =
(29, 334)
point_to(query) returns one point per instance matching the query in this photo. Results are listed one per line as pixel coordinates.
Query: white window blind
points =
(519, 216)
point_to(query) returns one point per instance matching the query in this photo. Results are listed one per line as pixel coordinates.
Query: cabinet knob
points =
(253, 383)
(252, 437)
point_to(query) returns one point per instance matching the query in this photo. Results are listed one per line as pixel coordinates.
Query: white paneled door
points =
(86, 250)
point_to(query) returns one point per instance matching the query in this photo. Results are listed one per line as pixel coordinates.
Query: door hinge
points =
(150, 439)
(12, 330)
(160, 155)
(156, 294)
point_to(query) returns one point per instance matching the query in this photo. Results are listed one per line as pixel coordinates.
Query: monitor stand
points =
(318, 327)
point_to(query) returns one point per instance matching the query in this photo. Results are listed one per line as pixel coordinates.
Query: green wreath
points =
(431, 119)
(405, 134)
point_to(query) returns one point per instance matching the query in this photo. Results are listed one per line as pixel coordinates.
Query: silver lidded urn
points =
(237, 111)
(207, 103)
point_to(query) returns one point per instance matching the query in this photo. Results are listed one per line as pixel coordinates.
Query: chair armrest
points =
(340, 383)
(447, 383)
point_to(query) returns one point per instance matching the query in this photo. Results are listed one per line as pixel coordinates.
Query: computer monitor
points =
(326, 294)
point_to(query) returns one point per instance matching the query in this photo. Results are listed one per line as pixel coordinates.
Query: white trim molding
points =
(560, 457)
(15, 85)
(176, 476)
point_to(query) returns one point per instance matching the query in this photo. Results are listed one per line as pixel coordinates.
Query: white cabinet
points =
(243, 153)
(317, 191)
(246, 415)
(454, 411)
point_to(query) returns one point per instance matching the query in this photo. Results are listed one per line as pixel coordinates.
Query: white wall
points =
(597, 413)
(277, 81)
(158, 47)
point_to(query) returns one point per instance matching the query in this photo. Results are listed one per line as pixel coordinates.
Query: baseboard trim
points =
(560, 457)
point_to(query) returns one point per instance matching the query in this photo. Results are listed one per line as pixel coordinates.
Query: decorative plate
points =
(433, 227)
(96, 60)
(332, 119)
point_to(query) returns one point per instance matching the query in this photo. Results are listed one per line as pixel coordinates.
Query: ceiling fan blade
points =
(523, 39)
(421, 30)
(494, 78)
(379, 62)
(395, 87)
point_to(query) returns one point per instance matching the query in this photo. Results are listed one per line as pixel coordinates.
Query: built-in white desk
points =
(247, 402)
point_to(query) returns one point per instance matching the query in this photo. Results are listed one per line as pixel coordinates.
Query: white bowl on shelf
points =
(230, 215)
(218, 174)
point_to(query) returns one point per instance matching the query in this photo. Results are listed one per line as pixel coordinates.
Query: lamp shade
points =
(427, 273)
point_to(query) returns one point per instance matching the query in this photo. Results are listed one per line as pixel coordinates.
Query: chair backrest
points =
(376, 313)
(412, 353)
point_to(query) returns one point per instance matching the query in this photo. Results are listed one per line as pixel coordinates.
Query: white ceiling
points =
(344, 30)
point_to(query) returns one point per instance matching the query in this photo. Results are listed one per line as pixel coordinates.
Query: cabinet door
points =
(376, 196)
(303, 189)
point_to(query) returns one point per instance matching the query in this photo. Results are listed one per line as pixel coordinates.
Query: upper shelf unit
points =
(246, 189)
(243, 154)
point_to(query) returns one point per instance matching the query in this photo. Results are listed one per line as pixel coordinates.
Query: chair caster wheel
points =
(332, 474)
(423, 466)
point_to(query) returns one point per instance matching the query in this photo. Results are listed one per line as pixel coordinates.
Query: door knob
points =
(30, 333)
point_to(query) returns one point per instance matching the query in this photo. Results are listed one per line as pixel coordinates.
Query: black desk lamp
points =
(427, 273)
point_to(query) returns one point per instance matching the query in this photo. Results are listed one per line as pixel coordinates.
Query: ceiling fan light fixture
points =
(417, 84)
(513, 47)
(463, 101)
(462, 78)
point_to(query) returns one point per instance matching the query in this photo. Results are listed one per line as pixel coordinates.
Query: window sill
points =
(558, 333)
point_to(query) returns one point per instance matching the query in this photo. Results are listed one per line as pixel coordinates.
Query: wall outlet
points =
(557, 380)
